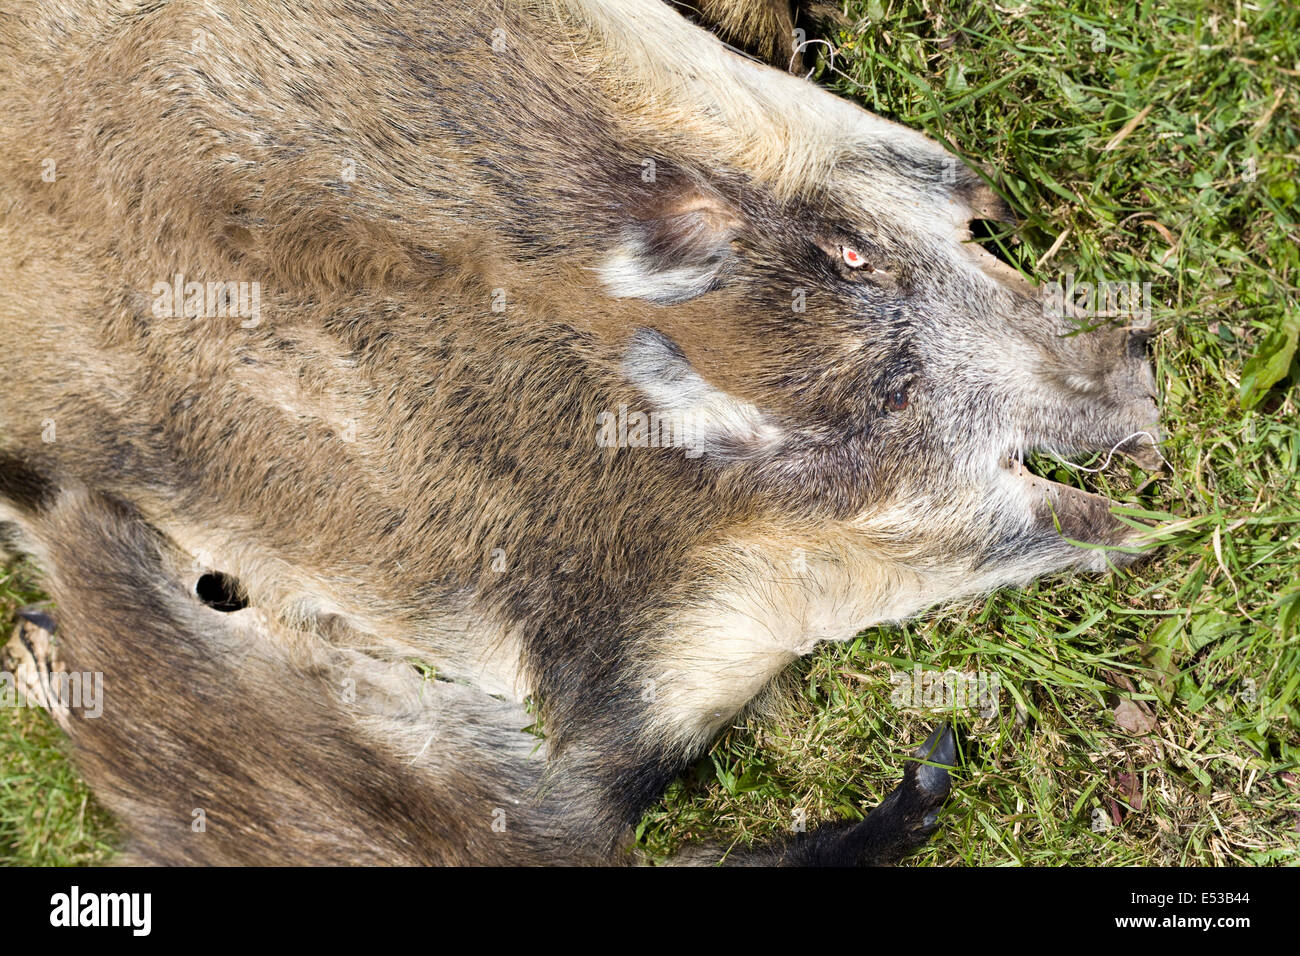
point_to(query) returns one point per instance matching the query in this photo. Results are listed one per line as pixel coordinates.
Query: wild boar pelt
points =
(478, 229)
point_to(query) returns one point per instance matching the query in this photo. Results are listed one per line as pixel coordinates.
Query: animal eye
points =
(897, 400)
(852, 258)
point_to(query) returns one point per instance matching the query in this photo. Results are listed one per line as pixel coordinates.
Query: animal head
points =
(796, 282)
(851, 347)
(789, 275)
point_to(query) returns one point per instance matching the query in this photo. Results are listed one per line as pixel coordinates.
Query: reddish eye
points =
(896, 400)
(852, 258)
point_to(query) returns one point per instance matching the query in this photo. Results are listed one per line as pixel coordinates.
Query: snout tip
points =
(1136, 339)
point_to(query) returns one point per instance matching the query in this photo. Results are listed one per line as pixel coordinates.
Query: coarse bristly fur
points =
(589, 363)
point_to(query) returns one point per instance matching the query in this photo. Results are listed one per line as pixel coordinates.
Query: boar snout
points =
(1100, 394)
(1097, 398)
(1108, 364)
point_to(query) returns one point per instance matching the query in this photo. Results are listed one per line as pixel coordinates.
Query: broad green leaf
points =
(1271, 362)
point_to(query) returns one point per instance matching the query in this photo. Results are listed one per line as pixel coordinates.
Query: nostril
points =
(1137, 342)
(221, 592)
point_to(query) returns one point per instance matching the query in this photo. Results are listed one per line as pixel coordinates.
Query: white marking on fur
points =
(716, 422)
(626, 275)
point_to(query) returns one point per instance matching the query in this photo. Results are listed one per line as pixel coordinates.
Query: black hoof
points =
(940, 755)
(903, 821)
(36, 614)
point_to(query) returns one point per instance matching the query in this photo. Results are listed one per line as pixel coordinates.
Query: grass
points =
(1149, 142)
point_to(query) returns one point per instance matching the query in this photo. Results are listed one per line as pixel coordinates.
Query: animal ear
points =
(676, 248)
(763, 27)
(702, 419)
